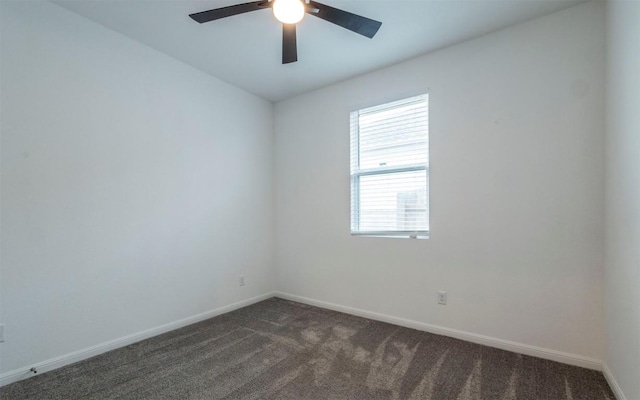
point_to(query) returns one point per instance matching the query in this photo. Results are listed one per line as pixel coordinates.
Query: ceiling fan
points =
(290, 12)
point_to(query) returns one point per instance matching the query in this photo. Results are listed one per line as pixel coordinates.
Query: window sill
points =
(393, 235)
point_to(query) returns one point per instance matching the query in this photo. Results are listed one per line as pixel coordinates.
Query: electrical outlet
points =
(1, 333)
(242, 280)
(442, 298)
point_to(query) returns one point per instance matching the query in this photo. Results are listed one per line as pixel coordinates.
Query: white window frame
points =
(357, 173)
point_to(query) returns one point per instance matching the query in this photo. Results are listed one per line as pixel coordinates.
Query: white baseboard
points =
(554, 355)
(612, 382)
(70, 358)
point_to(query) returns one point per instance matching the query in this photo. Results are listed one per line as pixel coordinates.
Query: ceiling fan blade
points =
(356, 23)
(289, 46)
(217, 13)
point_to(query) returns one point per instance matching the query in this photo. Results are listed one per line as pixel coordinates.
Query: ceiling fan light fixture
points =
(288, 11)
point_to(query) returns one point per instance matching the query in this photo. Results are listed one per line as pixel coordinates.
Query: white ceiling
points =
(245, 50)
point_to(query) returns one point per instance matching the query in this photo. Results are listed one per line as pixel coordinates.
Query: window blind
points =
(390, 169)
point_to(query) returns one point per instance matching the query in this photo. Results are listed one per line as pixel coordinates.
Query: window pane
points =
(393, 202)
(394, 137)
(389, 167)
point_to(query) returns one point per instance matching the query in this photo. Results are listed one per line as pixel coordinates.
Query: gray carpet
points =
(278, 349)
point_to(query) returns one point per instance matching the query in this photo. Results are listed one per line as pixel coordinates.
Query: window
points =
(390, 169)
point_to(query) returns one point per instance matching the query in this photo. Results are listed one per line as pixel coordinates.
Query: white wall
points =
(517, 183)
(622, 247)
(135, 189)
